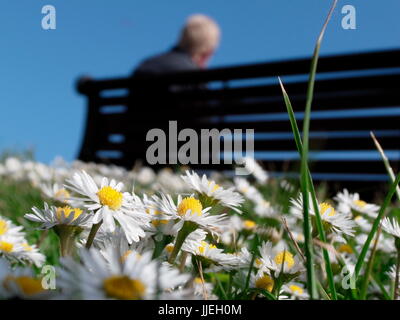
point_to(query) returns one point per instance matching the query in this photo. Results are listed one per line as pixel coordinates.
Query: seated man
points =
(198, 41)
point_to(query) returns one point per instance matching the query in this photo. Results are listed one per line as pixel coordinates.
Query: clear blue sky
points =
(39, 105)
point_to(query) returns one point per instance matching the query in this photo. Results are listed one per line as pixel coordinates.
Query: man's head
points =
(200, 37)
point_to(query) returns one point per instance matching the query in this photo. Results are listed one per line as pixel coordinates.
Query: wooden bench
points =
(354, 94)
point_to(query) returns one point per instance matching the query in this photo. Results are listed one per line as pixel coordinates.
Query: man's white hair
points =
(199, 35)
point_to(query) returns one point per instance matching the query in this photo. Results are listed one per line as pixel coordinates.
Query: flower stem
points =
(67, 235)
(187, 228)
(92, 234)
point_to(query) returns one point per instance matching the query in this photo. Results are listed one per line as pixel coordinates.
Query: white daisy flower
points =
(190, 209)
(120, 245)
(338, 222)
(295, 291)
(203, 289)
(262, 281)
(110, 204)
(244, 187)
(18, 250)
(364, 224)
(208, 188)
(160, 224)
(136, 279)
(9, 229)
(31, 253)
(278, 259)
(264, 209)
(385, 244)
(52, 216)
(20, 283)
(392, 273)
(348, 202)
(391, 226)
(145, 176)
(252, 167)
(211, 254)
(167, 181)
(56, 192)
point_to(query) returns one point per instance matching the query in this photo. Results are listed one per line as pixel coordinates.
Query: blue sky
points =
(39, 105)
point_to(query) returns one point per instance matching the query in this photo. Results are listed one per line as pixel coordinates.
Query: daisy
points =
(203, 289)
(52, 216)
(56, 192)
(9, 229)
(122, 248)
(364, 224)
(385, 244)
(392, 227)
(160, 224)
(338, 222)
(190, 209)
(392, 273)
(244, 187)
(276, 260)
(18, 250)
(252, 167)
(210, 190)
(109, 204)
(295, 291)
(262, 281)
(351, 202)
(20, 283)
(210, 254)
(136, 279)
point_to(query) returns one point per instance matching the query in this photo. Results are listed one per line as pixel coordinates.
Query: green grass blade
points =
(320, 228)
(386, 163)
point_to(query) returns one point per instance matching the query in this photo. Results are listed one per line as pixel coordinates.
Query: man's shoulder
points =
(173, 60)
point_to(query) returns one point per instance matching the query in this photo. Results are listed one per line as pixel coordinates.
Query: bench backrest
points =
(354, 94)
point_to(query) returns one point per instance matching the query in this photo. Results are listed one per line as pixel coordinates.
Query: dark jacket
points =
(174, 60)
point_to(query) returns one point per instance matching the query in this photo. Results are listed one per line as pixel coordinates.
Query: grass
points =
(17, 199)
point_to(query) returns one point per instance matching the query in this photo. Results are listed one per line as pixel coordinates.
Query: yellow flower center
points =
(62, 194)
(27, 247)
(325, 207)
(124, 288)
(126, 255)
(297, 289)
(245, 189)
(197, 280)
(152, 210)
(191, 204)
(3, 227)
(204, 245)
(360, 203)
(67, 212)
(28, 285)
(110, 197)
(156, 222)
(6, 246)
(345, 248)
(248, 224)
(216, 186)
(283, 257)
(169, 248)
(265, 282)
